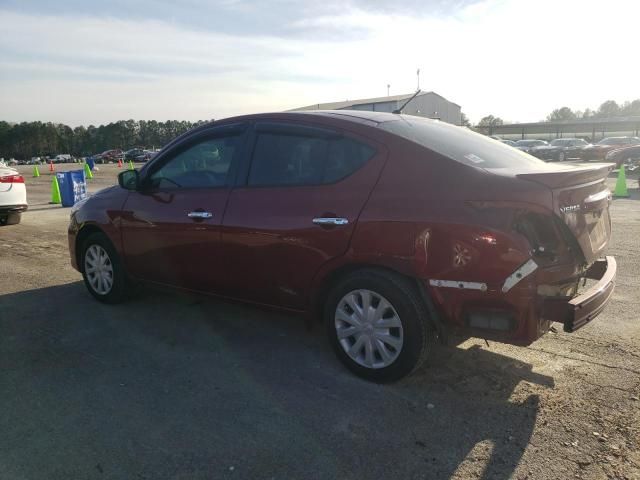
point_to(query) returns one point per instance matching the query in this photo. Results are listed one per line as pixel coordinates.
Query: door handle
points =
(330, 221)
(197, 214)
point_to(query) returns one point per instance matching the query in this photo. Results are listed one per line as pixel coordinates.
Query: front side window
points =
(284, 159)
(205, 164)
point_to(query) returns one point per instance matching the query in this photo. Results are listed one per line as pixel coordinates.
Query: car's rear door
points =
(295, 209)
(171, 227)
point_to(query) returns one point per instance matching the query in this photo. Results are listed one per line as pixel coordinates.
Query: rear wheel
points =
(11, 218)
(378, 325)
(102, 270)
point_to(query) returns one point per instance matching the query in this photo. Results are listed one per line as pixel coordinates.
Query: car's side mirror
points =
(129, 180)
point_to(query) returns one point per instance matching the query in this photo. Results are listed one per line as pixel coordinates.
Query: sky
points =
(84, 62)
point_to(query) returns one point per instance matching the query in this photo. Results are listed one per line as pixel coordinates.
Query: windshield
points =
(462, 144)
(530, 143)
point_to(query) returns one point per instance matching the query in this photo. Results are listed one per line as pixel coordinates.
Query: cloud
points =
(81, 63)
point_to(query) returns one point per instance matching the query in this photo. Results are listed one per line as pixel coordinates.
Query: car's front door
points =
(171, 227)
(302, 194)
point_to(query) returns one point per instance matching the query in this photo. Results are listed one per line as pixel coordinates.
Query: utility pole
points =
(388, 87)
(418, 74)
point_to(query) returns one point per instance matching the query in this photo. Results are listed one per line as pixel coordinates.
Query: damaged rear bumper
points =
(576, 312)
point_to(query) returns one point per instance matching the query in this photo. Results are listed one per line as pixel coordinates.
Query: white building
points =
(426, 104)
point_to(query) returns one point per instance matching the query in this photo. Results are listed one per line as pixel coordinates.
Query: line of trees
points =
(35, 139)
(608, 109)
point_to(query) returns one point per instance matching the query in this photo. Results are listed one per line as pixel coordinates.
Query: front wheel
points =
(102, 270)
(378, 325)
(561, 157)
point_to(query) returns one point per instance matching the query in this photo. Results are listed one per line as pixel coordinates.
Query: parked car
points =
(133, 153)
(511, 143)
(111, 156)
(560, 149)
(628, 156)
(528, 145)
(599, 151)
(146, 156)
(13, 196)
(61, 158)
(398, 231)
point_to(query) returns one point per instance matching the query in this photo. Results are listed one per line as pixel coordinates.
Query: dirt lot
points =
(177, 387)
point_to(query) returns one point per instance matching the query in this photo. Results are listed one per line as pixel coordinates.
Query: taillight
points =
(12, 179)
(540, 231)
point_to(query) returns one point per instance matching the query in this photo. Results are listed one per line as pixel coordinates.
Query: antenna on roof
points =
(399, 110)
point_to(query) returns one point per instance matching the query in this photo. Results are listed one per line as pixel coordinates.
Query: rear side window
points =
(463, 145)
(290, 159)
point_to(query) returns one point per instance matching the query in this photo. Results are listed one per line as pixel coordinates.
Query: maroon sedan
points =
(397, 231)
(599, 151)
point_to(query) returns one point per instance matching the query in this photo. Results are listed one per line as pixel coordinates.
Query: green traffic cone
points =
(131, 165)
(621, 184)
(36, 171)
(87, 171)
(55, 191)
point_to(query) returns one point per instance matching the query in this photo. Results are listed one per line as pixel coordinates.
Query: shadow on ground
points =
(168, 386)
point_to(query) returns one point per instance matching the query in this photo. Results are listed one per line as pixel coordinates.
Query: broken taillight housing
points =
(541, 232)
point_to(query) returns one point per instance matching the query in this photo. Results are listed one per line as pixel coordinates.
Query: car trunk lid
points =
(581, 199)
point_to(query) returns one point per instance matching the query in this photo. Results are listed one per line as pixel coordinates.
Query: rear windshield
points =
(462, 144)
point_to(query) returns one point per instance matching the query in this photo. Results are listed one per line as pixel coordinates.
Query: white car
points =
(13, 196)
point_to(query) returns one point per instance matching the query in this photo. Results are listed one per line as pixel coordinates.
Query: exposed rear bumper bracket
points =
(576, 312)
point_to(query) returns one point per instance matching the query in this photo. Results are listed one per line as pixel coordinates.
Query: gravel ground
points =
(170, 386)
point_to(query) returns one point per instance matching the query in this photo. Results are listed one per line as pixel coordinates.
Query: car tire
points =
(11, 218)
(561, 156)
(394, 339)
(98, 253)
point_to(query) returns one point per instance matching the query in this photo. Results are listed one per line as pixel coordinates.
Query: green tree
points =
(490, 121)
(28, 139)
(561, 114)
(608, 109)
(464, 120)
(631, 108)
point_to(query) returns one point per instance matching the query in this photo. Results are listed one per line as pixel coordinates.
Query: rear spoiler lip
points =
(579, 175)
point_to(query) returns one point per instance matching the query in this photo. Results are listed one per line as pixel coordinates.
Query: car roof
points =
(357, 116)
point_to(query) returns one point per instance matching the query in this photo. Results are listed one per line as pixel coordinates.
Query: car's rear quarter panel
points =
(421, 218)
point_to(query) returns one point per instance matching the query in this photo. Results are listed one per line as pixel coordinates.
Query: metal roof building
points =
(426, 104)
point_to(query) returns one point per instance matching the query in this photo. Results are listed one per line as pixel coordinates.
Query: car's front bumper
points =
(576, 312)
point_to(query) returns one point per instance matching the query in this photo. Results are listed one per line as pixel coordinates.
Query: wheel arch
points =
(331, 278)
(82, 235)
